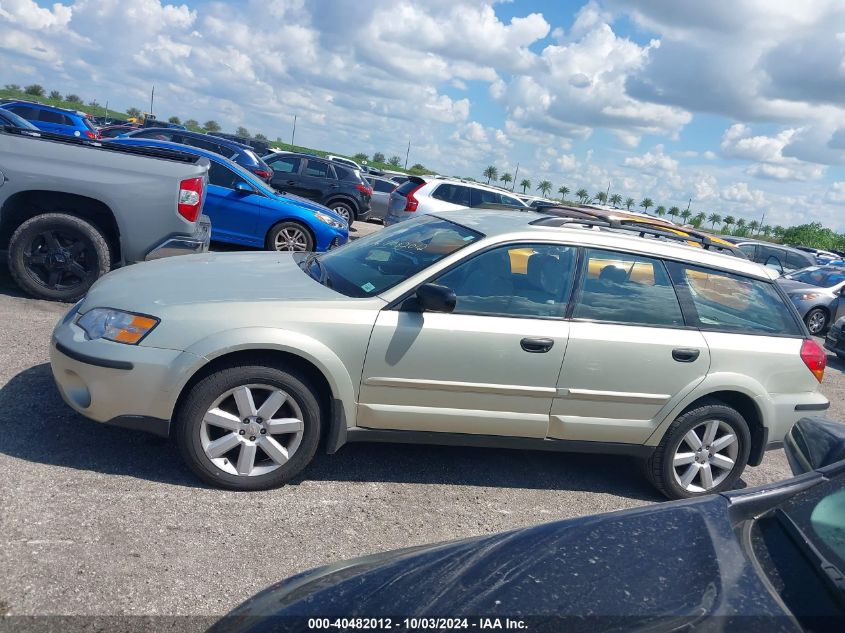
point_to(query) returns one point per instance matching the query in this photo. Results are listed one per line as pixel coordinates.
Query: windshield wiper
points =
(830, 572)
(322, 274)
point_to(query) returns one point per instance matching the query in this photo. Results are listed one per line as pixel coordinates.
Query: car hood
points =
(305, 203)
(649, 566)
(206, 278)
(792, 286)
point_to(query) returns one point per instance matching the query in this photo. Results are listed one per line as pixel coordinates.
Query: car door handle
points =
(290, 182)
(537, 345)
(685, 355)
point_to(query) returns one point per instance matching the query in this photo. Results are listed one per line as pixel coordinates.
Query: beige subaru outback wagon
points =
(474, 327)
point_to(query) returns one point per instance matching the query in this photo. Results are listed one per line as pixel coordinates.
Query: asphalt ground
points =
(99, 520)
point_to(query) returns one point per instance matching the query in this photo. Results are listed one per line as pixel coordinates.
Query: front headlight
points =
(327, 219)
(808, 296)
(116, 325)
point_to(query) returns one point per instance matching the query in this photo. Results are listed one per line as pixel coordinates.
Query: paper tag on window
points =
(368, 287)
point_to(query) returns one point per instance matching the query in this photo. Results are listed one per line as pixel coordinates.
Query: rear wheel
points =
(344, 210)
(249, 427)
(57, 256)
(816, 321)
(704, 451)
(290, 236)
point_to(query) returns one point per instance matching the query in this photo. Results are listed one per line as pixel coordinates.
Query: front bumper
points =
(125, 385)
(184, 244)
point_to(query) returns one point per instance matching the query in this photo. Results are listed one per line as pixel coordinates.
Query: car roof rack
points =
(641, 229)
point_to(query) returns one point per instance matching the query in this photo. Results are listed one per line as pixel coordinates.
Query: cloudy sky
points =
(736, 104)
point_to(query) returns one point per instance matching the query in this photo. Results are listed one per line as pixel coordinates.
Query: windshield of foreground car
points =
(819, 276)
(373, 264)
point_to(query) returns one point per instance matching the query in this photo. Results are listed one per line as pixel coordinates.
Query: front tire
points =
(816, 320)
(57, 256)
(290, 237)
(704, 451)
(249, 427)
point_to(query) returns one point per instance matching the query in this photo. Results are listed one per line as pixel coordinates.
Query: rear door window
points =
(454, 194)
(627, 288)
(346, 174)
(750, 250)
(317, 169)
(285, 164)
(725, 302)
(797, 260)
(48, 116)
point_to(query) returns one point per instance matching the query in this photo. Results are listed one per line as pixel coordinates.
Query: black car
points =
(340, 188)
(783, 259)
(765, 559)
(238, 153)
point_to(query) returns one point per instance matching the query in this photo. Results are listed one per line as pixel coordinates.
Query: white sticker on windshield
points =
(368, 287)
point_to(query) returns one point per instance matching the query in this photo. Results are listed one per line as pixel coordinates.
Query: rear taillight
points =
(190, 199)
(91, 134)
(412, 203)
(814, 358)
(262, 173)
(365, 189)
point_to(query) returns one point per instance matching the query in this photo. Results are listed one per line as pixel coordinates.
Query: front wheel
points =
(290, 236)
(704, 451)
(345, 211)
(249, 427)
(816, 321)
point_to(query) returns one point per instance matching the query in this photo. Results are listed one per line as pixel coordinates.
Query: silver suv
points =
(485, 328)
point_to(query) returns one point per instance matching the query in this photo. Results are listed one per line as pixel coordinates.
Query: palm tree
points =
(582, 195)
(740, 226)
(601, 196)
(685, 214)
(629, 202)
(778, 231)
(766, 230)
(506, 178)
(525, 184)
(714, 219)
(660, 211)
(544, 187)
(674, 212)
(491, 173)
(753, 226)
(563, 190)
(645, 203)
(699, 218)
(729, 222)
(616, 200)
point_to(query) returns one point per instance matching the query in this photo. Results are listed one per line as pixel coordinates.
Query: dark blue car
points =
(238, 153)
(56, 120)
(247, 212)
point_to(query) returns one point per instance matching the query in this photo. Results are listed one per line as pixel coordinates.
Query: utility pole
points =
(762, 222)
(152, 97)
(607, 193)
(407, 154)
(515, 174)
(292, 134)
(688, 204)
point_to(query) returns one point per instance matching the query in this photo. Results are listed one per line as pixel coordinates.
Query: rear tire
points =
(344, 210)
(816, 320)
(689, 463)
(57, 256)
(218, 400)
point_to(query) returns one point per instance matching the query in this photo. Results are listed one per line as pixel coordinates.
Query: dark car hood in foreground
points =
(652, 568)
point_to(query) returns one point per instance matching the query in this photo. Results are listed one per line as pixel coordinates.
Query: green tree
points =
(131, 112)
(242, 131)
(192, 124)
(394, 161)
(36, 90)
(545, 187)
(378, 157)
(729, 222)
(778, 231)
(616, 200)
(766, 230)
(660, 211)
(260, 137)
(645, 203)
(714, 219)
(55, 95)
(491, 173)
(175, 119)
(674, 212)
(14, 87)
(418, 167)
(360, 157)
(506, 178)
(525, 184)
(753, 226)
(582, 195)
(685, 214)
(601, 196)
(699, 219)
(72, 98)
(211, 126)
(814, 235)
(563, 190)
(740, 226)
(629, 202)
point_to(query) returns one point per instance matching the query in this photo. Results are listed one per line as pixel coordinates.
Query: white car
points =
(420, 195)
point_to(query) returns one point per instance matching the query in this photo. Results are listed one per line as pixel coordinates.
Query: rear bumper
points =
(184, 244)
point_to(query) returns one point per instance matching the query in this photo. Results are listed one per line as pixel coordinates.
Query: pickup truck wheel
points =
(249, 427)
(704, 451)
(57, 256)
(344, 210)
(290, 236)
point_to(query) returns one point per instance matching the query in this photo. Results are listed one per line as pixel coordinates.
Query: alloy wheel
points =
(705, 456)
(816, 322)
(252, 430)
(342, 211)
(291, 239)
(60, 259)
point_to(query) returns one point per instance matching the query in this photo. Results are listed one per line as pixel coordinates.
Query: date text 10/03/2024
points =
(415, 624)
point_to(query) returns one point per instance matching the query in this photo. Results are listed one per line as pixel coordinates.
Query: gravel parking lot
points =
(98, 520)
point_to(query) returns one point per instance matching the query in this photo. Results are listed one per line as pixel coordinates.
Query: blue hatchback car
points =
(56, 120)
(245, 211)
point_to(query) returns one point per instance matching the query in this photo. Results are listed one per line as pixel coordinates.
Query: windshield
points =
(373, 264)
(819, 276)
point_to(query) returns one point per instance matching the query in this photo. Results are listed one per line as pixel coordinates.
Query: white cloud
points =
(767, 152)
(656, 160)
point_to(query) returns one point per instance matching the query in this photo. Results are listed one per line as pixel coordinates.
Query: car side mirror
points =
(432, 298)
(814, 443)
(243, 188)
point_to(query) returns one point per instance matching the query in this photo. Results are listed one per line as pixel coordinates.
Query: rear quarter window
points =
(406, 187)
(732, 303)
